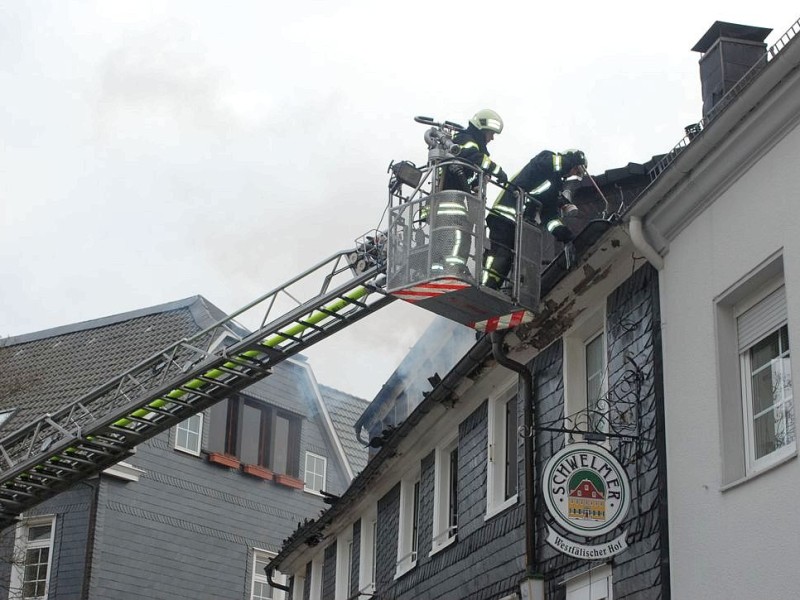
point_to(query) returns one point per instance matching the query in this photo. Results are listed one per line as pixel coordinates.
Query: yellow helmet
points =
(487, 120)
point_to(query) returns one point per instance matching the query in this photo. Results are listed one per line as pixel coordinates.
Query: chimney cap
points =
(732, 30)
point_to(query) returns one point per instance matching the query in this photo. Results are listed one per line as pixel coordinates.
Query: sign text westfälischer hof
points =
(587, 493)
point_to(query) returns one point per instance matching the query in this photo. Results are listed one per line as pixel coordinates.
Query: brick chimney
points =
(729, 50)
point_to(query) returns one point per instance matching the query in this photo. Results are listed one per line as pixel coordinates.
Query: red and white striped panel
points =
(504, 322)
(431, 289)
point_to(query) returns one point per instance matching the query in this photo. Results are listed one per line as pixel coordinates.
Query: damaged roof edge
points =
(472, 360)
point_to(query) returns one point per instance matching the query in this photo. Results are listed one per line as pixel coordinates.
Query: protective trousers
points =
(500, 255)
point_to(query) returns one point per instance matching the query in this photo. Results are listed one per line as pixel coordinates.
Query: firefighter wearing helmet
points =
(455, 256)
(543, 178)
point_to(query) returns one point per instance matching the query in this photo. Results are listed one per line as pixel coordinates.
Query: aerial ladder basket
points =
(437, 241)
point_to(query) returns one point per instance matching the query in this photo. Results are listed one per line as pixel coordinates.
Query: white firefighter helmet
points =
(487, 120)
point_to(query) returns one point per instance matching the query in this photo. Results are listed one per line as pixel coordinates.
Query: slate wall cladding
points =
(329, 573)
(488, 558)
(307, 582)
(633, 334)
(484, 563)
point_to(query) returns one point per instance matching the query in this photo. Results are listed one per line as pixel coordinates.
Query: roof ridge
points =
(189, 302)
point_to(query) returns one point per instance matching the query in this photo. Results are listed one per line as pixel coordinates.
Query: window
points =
(368, 555)
(503, 423)
(594, 585)
(408, 537)
(257, 433)
(585, 381)
(33, 549)
(344, 552)
(261, 589)
(189, 434)
(757, 419)
(316, 469)
(445, 496)
(766, 381)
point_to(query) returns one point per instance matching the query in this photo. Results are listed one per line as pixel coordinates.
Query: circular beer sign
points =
(586, 490)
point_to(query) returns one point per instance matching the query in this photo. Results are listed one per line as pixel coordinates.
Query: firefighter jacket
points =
(542, 178)
(473, 150)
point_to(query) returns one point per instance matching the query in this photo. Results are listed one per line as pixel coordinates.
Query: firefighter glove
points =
(501, 176)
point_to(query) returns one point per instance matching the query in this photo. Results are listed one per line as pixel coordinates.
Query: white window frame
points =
(594, 585)
(323, 475)
(408, 530)
(258, 576)
(738, 465)
(443, 533)
(576, 378)
(298, 586)
(756, 465)
(316, 577)
(21, 546)
(368, 551)
(497, 455)
(344, 554)
(185, 427)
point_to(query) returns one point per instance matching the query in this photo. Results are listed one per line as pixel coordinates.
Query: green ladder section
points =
(103, 427)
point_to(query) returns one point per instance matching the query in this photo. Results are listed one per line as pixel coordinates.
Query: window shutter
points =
(765, 317)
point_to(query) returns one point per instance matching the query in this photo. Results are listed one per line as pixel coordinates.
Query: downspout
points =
(527, 390)
(274, 584)
(636, 230)
(88, 556)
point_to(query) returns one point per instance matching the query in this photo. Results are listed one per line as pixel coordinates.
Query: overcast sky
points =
(157, 150)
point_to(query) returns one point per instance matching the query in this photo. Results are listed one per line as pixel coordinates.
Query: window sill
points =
(493, 511)
(187, 451)
(125, 471)
(403, 569)
(442, 545)
(258, 472)
(757, 474)
(313, 492)
(224, 460)
(289, 481)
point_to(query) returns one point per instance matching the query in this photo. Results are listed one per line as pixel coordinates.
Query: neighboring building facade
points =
(195, 512)
(700, 416)
(725, 217)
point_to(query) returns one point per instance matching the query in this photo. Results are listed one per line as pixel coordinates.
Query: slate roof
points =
(48, 369)
(345, 409)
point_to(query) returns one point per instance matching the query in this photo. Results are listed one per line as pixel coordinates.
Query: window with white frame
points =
(763, 340)
(32, 560)
(757, 413)
(445, 495)
(594, 585)
(503, 459)
(408, 534)
(260, 587)
(368, 551)
(585, 381)
(315, 473)
(189, 434)
(344, 553)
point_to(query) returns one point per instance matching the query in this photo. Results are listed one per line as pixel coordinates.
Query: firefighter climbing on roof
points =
(483, 126)
(542, 178)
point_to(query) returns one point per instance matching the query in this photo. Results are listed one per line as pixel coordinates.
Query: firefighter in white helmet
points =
(482, 128)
